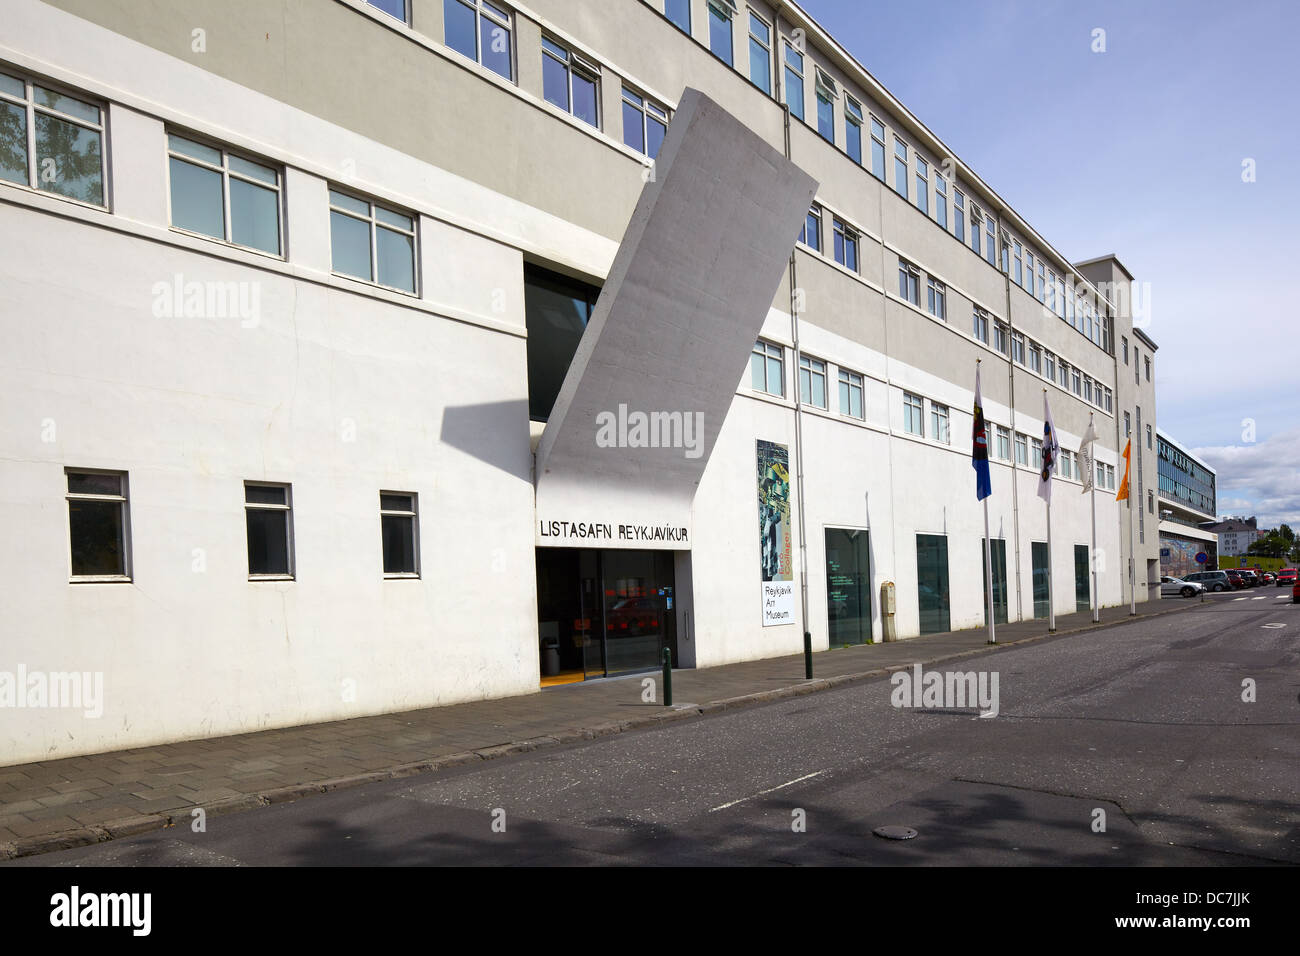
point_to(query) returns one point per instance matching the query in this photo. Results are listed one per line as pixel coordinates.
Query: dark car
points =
(1295, 593)
(1212, 580)
(1236, 579)
(1250, 577)
(1285, 577)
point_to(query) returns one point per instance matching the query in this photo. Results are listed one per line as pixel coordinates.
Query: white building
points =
(297, 287)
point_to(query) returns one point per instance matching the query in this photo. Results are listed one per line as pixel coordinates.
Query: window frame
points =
(940, 422)
(813, 368)
(845, 238)
(1022, 449)
(766, 45)
(645, 105)
(724, 10)
(848, 381)
(489, 10)
(854, 119)
(901, 170)
(406, 9)
(980, 324)
(878, 140)
(922, 174)
(375, 225)
(574, 62)
(123, 500)
(936, 295)
(789, 51)
(414, 515)
(31, 108)
(913, 405)
(287, 509)
(814, 214)
(909, 282)
(770, 352)
(826, 91)
(226, 175)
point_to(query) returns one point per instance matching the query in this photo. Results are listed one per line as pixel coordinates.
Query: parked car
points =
(1267, 578)
(1234, 576)
(1212, 580)
(1171, 586)
(1285, 577)
(1249, 576)
(1295, 593)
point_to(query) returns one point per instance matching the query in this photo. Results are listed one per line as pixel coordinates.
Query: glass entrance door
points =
(998, 558)
(1039, 551)
(848, 587)
(638, 600)
(1082, 592)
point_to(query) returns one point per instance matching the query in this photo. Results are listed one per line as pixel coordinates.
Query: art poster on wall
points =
(775, 554)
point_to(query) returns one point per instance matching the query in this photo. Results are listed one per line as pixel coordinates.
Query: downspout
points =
(1011, 392)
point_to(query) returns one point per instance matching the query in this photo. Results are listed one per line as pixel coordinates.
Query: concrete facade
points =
(342, 389)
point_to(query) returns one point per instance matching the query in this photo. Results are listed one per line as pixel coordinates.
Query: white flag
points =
(1085, 453)
(1051, 448)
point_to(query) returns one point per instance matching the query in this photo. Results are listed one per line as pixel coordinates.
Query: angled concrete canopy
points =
(670, 335)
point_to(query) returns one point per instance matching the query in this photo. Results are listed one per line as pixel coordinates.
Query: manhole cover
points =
(894, 833)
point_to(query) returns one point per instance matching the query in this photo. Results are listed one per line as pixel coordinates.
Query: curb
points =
(145, 823)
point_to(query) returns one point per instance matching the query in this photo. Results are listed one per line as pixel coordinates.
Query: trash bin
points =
(550, 656)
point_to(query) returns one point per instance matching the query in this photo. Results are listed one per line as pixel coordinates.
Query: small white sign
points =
(778, 603)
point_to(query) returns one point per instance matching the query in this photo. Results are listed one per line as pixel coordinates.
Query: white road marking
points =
(760, 793)
(1241, 599)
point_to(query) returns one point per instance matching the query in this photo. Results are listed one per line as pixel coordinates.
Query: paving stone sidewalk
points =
(77, 801)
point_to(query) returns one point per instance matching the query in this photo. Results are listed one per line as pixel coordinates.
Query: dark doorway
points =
(848, 587)
(998, 559)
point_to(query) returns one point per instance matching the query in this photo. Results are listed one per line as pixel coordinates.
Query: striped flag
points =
(1051, 448)
(979, 455)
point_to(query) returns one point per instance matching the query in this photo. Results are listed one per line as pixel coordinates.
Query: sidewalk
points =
(77, 801)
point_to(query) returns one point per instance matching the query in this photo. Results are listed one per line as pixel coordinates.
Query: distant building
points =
(1186, 492)
(1235, 535)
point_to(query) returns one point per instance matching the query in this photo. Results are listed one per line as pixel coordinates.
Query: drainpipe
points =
(1011, 392)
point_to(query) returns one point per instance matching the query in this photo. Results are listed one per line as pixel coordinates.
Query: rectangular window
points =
(959, 215)
(1004, 443)
(1101, 475)
(811, 235)
(812, 381)
(939, 422)
(1110, 477)
(853, 128)
(941, 201)
(1029, 272)
(645, 123)
(900, 167)
(760, 53)
(679, 12)
(1036, 454)
(846, 245)
(1128, 425)
(935, 295)
(372, 242)
(394, 8)
(1064, 462)
(221, 195)
(922, 185)
(400, 534)
(981, 325)
(1146, 362)
(1069, 309)
(913, 412)
(1076, 381)
(932, 583)
(268, 512)
(1022, 449)
(1018, 348)
(720, 40)
(1087, 388)
(1016, 264)
(976, 218)
(877, 149)
(827, 94)
(51, 141)
(1002, 338)
(1060, 298)
(481, 31)
(1124, 340)
(98, 527)
(1065, 376)
(793, 80)
(1042, 283)
(767, 368)
(1050, 301)
(1049, 366)
(1148, 436)
(570, 82)
(909, 282)
(1035, 359)
(1110, 400)
(990, 249)
(851, 394)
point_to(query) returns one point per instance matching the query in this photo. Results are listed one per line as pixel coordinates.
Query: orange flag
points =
(1123, 485)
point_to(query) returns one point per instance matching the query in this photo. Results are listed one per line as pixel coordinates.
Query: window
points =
(1036, 453)
(720, 42)
(1060, 298)
(827, 94)
(1124, 339)
(990, 250)
(1016, 263)
(1101, 475)
(853, 128)
(570, 82)
(269, 516)
(851, 394)
(1151, 503)
(1050, 301)
(1069, 309)
(975, 220)
(394, 8)
(981, 322)
(935, 299)
(1109, 400)
(1087, 388)
(98, 529)
(679, 12)
(1148, 436)
(1064, 461)
(812, 381)
(645, 123)
(1128, 425)
(939, 422)
(1018, 348)
(767, 368)
(1076, 381)
(1002, 337)
(811, 235)
(399, 533)
(941, 201)
(760, 53)
(1035, 359)
(900, 167)
(913, 410)
(959, 215)
(909, 282)
(218, 194)
(877, 149)
(1147, 363)
(1029, 272)
(481, 31)
(1137, 371)
(51, 141)
(1110, 477)
(1004, 443)
(1065, 376)
(1042, 283)
(1049, 366)
(846, 245)
(793, 80)
(1022, 449)
(371, 242)
(922, 185)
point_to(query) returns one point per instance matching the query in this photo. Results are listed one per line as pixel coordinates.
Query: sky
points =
(1139, 151)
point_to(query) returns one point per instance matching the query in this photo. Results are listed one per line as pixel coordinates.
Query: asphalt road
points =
(1145, 722)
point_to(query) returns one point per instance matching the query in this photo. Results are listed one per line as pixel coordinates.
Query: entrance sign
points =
(774, 533)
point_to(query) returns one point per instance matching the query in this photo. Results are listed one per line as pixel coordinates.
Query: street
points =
(1141, 728)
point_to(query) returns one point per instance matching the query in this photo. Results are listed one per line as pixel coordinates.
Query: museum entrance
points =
(603, 612)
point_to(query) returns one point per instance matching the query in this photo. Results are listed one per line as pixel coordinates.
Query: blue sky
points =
(1138, 151)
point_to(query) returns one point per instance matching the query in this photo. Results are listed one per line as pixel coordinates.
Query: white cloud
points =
(1264, 475)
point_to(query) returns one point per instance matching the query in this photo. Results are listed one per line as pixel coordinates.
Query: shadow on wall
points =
(494, 432)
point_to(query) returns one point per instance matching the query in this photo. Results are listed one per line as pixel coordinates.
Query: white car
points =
(1178, 586)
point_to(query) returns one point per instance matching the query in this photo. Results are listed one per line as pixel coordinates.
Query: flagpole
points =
(988, 574)
(1092, 466)
(1051, 606)
(1132, 562)
(984, 487)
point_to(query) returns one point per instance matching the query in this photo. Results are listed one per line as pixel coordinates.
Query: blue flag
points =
(979, 456)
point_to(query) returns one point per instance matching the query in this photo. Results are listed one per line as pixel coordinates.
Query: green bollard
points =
(807, 655)
(668, 677)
